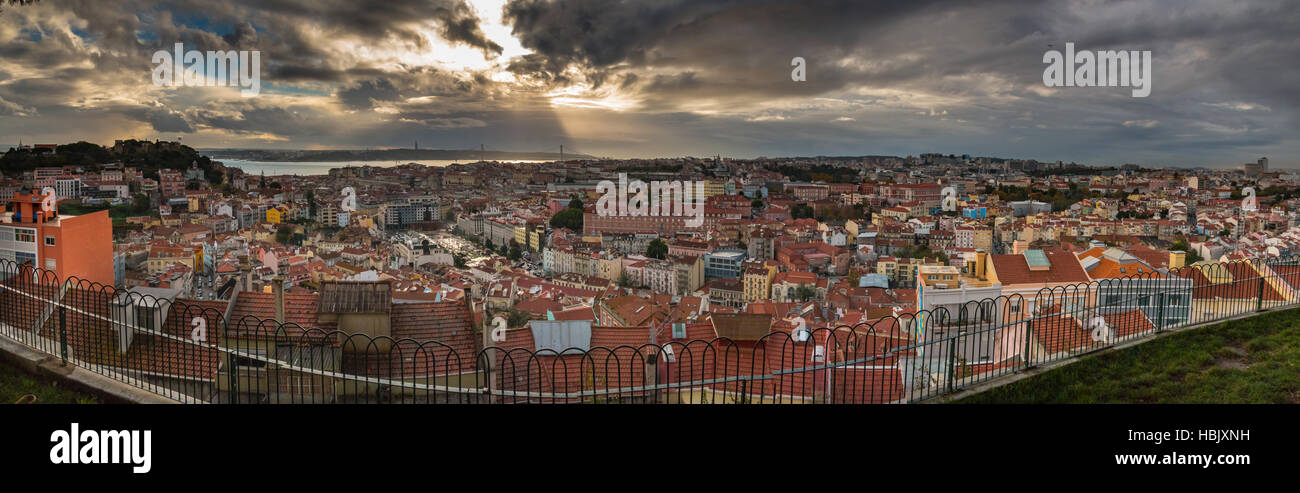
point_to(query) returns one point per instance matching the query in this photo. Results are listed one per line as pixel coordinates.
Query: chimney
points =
(1019, 246)
(1177, 259)
(277, 287)
(981, 261)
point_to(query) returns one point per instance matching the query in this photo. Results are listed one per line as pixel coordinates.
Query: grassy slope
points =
(1255, 360)
(15, 383)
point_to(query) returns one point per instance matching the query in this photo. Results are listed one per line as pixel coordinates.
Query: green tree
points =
(804, 292)
(283, 234)
(576, 203)
(801, 211)
(568, 218)
(311, 204)
(140, 204)
(657, 249)
(515, 251)
(624, 281)
(515, 317)
(1183, 245)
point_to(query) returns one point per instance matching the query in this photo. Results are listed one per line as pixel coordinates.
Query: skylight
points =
(1037, 260)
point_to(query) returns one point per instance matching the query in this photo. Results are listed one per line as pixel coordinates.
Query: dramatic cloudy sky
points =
(667, 77)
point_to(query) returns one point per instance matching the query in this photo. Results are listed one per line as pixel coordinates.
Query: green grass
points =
(15, 383)
(1253, 360)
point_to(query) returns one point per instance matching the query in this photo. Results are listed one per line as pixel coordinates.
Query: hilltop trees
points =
(657, 249)
(144, 155)
(570, 217)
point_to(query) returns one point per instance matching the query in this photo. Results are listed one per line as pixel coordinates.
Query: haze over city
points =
(665, 78)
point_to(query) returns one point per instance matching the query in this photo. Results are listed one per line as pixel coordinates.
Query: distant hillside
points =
(383, 155)
(149, 157)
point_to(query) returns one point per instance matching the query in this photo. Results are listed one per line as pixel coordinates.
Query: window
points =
(25, 235)
(49, 241)
(679, 331)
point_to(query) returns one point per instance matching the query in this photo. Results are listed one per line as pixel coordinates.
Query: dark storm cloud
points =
(377, 20)
(686, 76)
(964, 68)
(364, 94)
(168, 121)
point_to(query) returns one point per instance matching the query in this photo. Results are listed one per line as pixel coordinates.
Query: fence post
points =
(1259, 305)
(652, 378)
(1028, 360)
(1160, 313)
(952, 362)
(63, 333)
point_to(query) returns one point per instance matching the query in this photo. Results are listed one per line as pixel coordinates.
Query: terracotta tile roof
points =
(742, 326)
(251, 308)
(432, 339)
(1013, 269)
(1288, 273)
(609, 367)
(1059, 332)
(1242, 283)
(1110, 269)
(94, 339)
(582, 312)
(1128, 323)
(634, 310)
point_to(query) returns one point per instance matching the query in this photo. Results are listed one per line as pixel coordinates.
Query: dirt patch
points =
(1231, 357)
(1232, 364)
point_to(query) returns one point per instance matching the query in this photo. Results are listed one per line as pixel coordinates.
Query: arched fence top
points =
(927, 348)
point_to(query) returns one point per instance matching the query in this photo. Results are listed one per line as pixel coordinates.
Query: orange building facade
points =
(69, 246)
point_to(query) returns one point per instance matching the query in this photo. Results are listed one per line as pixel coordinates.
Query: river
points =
(272, 168)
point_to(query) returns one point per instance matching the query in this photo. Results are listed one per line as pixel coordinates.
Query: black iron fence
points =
(189, 351)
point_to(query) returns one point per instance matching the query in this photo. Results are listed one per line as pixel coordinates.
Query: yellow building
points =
(535, 240)
(899, 213)
(521, 235)
(758, 282)
(902, 271)
(274, 215)
(610, 267)
(163, 257)
(940, 276)
(852, 228)
(715, 187)
(983, 238)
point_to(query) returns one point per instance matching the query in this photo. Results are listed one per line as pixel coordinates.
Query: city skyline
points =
(664, 79)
